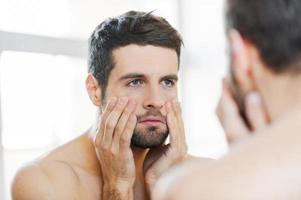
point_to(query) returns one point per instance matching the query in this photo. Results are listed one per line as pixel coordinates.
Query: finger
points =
(230, 118)
(255, 111)
(171, 123)
(126, 136)
(177, 110)
(122, 123)
(180, 123)
(109, 107)
(112, 121)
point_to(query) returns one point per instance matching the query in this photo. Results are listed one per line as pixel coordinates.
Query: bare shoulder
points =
(54, 176)
(45, 180)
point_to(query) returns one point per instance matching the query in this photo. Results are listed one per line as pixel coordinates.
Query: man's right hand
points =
(112, 143)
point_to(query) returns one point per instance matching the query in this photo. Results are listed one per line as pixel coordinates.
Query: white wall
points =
(203, 66)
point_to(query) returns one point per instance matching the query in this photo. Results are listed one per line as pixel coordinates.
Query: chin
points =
(149, 138)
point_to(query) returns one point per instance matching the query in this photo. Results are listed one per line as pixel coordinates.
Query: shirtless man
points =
(132, 80)
(263, 89)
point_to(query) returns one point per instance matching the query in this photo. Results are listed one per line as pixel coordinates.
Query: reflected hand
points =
(231, 120)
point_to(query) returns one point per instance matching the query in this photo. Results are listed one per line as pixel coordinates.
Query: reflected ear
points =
(241, 60)
(93, 89)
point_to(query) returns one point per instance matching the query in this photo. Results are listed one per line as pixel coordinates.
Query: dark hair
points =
(130, 28)
(273, 26)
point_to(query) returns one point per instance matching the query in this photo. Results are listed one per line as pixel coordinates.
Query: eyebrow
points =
(131, 76)
(138, 75)
(170, 76)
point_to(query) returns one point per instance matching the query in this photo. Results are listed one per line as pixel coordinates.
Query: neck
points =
(281, 94)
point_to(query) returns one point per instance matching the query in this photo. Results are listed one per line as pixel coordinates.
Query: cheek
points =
(121, 92)
(138, 98)
(135, 95)
(171, 94)
(174, 94)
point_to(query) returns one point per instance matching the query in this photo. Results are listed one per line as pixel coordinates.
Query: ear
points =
(94, 90)
(241, 60)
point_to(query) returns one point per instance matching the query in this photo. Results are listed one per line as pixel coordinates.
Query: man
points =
(133, 73)
(260, 110)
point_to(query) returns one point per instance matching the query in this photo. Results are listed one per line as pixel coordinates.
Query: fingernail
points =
(254, 99)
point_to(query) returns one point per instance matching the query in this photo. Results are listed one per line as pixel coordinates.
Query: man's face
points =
(147, 74)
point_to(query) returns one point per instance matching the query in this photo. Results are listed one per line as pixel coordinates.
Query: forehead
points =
(148, 60)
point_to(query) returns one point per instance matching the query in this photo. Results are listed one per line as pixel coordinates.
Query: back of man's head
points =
(133, 27)
(273, 27)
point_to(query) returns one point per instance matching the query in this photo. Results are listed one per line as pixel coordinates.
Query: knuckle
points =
(106, 147)
(124, 139)
(118, 129)
(114, 152)
(110, 125)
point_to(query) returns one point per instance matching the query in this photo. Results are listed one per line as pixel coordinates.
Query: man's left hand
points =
(161, 158)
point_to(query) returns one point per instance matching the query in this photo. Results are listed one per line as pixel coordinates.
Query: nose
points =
(154, 99)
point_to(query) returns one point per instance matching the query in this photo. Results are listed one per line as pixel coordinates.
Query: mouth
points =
(152, 121)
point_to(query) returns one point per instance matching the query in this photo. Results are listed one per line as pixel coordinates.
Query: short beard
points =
(150, 138)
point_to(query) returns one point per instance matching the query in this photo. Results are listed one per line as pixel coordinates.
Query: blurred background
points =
(43, 66)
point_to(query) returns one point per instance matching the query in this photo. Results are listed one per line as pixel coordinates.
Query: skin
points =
(264, 159)
(101, 163)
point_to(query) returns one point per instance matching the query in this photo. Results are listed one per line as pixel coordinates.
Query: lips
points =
(152, 120)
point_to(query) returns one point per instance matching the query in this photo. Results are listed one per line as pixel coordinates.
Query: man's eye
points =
(168, 83)
(135, 83)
